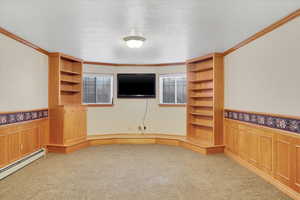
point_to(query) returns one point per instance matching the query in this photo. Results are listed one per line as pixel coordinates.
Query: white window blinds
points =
(98, 89)
(173, 89)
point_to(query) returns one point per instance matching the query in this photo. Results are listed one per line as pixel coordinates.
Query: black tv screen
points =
(136, 85)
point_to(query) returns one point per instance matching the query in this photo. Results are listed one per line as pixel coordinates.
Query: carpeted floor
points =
(136, 172)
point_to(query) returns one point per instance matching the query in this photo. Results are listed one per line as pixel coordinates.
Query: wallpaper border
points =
(22, 116)
(291, 124)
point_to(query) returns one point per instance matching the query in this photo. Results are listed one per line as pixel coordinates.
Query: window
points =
(172, 89)
(97, 89)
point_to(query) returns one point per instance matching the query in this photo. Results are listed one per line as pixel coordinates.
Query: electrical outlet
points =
(140, 128)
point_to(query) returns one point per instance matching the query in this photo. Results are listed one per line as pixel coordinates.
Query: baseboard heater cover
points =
(13, 167)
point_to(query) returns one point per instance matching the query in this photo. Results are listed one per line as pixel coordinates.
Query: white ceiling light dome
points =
(134, 40)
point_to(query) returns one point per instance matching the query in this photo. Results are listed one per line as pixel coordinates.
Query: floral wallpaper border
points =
(282, 123)
(12, 118)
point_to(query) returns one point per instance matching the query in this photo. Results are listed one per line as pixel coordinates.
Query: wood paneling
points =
(20, 139)
(68, 125)
(30, 140)
(283, 152)
(74, 115)
(296, 165)
(243, 142)
(273, 153)
(266, 151)
(13, 147)
(3, 150)
(253, 147)
(44, 133)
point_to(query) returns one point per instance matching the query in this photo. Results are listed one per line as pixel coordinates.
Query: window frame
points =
(171, 75)
(94, 75)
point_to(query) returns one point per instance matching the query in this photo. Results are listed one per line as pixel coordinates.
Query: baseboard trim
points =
(57, 148)
(173, 140)
(19, 164)
(285, 189)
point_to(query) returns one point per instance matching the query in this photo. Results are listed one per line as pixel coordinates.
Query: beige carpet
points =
(136, 172)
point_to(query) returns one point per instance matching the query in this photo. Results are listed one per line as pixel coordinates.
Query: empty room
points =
(149, 100)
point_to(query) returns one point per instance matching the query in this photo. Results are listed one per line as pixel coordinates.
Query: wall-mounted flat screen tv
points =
(136, 85)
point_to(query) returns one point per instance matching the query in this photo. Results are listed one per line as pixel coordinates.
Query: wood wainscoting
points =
(174, 140)
(271, 153)
(20, 139)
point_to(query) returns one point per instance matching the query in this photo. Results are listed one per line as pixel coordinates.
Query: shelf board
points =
(202, 96)
(70, 91)
(69, 72)
(202, 124)
(202, 114)
(201, 81)
(201, 70)
(70, 81)
(204, 106)
(200, 89)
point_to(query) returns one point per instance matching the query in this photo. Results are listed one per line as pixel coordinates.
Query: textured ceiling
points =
(175, 29)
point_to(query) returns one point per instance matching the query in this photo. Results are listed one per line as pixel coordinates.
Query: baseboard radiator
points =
(13, 167)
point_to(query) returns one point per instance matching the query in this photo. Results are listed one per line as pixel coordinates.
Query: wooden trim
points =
(133, 65)
(67, 148)
(172, 105)
(20, 139)
(288, 133)
(203, 58)
(29, 44)
(263, 32)
(262, 113)
(174, 140)
(23, 41)
(285, 189)
(99, 105)
(68, 57)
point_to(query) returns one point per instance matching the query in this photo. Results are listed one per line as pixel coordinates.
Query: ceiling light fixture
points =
(134, 40)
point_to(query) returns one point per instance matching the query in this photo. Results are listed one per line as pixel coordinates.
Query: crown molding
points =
(205, 57)
(257, 35)
(134, 65)
(23, 41)
(264, 31)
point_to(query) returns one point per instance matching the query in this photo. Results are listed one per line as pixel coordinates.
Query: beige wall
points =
(263, 76)
(23, 76)
(126, 114)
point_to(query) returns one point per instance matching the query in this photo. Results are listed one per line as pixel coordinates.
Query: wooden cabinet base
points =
(285, 189)
(173, 140)
(271, 153)
(54, 148)
(21, 139)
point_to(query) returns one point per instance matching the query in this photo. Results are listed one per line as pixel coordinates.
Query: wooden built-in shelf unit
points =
(65, 76)
(67, 114)
(205, 99)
